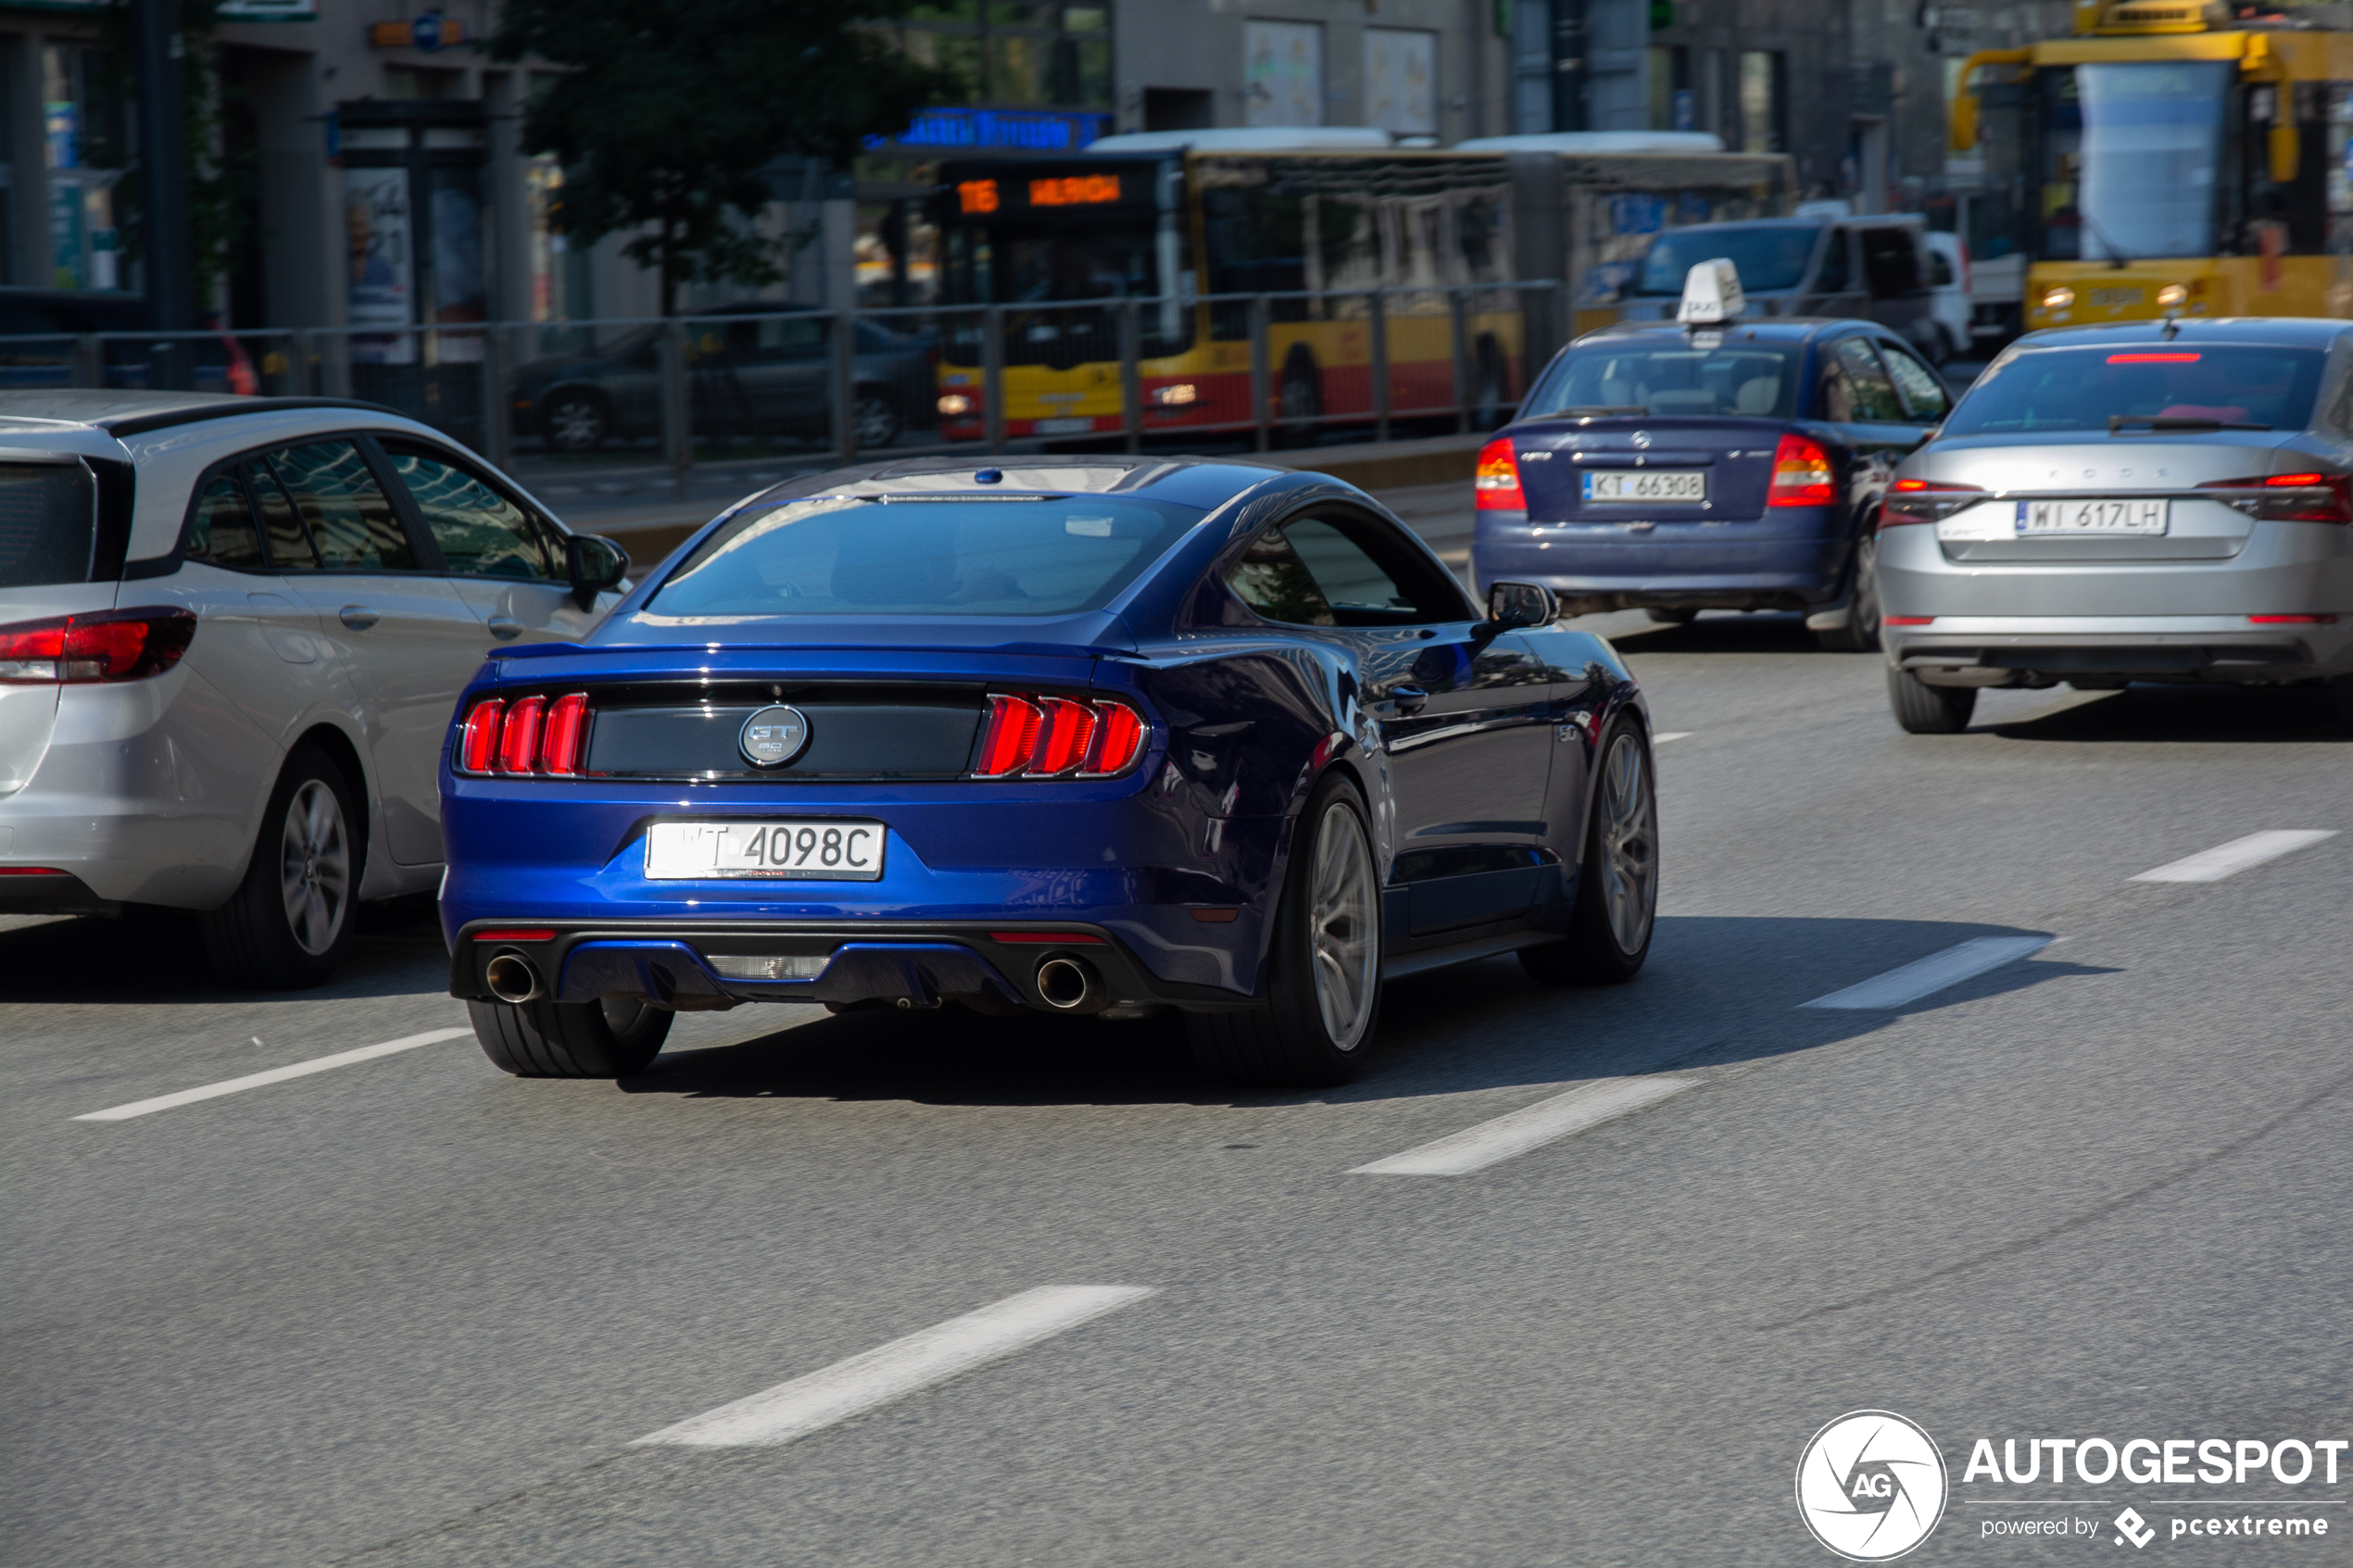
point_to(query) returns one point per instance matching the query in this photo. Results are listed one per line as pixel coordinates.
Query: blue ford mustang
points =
(1738, 467)
(1111, 736)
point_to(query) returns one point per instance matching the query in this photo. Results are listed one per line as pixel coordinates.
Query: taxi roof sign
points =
(1711, 293)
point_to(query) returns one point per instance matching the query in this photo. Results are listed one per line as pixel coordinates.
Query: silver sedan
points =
(2154, 501)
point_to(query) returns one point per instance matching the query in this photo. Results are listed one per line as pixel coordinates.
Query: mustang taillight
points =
(107, 645)
(2291, 497)
(1921, 500)
(528, 736)
(1496, 485)
(1802, 474)
(1044, 737)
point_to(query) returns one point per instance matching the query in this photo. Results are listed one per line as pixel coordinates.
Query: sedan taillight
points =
(107, 645)
(529, 735)
(1495, 487)
(1920, 501)
(1802, 475)
(1049, 738)
(2290, 498)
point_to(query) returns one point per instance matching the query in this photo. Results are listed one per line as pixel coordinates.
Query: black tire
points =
(1924, 709)
(1300, 396)
(1670, 617)
(1860, 635)
(2341, 692)
(603, 1039)
(1285, 1039)
(874, 417)
(1616, 908)
(286, 926)
(575, 421)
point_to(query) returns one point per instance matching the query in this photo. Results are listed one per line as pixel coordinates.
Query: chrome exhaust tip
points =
(511, 978)
(1069, 985)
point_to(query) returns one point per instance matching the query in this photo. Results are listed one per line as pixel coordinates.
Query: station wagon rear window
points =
(864, 555)
(48, 524)
(1669, 373)
(2078, 388)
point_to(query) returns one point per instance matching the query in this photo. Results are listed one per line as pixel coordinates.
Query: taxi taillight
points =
(1496, 485)
(1054, 737)
(1802, 474)
(529, 735)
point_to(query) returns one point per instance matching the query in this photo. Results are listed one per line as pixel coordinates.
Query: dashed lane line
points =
(1933, 973)
(275, 1075)
(894, 1371)
(1665, 735)
(2226, 860)
(1532, 1126)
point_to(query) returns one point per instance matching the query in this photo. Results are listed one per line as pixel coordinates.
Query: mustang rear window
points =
(834, 555)
(1667, 374)
(48, 524)
(2037, 389)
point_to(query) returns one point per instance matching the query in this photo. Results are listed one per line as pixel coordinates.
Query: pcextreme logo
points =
(1870, 1485)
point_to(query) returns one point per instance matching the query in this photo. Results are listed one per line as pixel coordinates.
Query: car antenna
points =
(2170, 298)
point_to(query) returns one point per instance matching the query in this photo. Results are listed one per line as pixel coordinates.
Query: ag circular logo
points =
(773, 737)
(1870, 1485)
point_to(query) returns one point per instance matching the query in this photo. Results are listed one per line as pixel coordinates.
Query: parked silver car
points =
(2141, 502)
(233, 632)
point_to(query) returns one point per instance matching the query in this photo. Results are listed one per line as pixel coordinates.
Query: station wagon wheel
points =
(1314, 1024)
(1617, 903)
(290, 919)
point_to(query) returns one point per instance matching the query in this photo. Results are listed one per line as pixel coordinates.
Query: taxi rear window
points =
(2080, 388)
(48, 524)
(916, 554)
(1670, 374)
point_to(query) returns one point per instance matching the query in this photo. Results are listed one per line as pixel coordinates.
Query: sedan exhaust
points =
(511, 978)
(1070, 984)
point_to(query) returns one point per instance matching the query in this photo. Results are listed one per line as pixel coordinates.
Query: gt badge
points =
(773, 737)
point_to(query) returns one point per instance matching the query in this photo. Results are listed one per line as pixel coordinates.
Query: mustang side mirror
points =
(594, 564)
(1513, 604)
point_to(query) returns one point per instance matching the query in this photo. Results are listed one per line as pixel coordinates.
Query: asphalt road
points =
(409, 1312)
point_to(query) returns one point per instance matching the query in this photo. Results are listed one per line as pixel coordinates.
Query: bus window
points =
(2131, 155)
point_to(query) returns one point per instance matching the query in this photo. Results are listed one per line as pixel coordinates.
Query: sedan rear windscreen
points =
(48, 524)
(2046, 389)
(1669, 373)
(865, 555)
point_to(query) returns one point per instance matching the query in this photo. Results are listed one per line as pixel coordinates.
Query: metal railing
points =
(820, 387)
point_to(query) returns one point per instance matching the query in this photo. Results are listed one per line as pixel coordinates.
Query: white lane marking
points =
(1532, 1126)
(1665, 736)
(275, 1075)
(894, 1371)
(2213, 865)
(1933, 973)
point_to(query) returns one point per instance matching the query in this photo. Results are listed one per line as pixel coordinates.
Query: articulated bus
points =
(2173, 157)
(1203, 232)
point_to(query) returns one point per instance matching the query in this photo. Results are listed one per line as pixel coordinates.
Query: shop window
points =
(1763, 101)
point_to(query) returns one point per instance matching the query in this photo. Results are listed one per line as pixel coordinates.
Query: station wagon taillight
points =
(1495, 487)
(1802, 474)
(529, 735)
(1051, 737)
(1920, 501)
(2290, 498)
(107, 645)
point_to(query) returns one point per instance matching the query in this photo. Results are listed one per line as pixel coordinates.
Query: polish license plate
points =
(2093, 517)
(1646, 485)
(833, 849)
(1074, 425)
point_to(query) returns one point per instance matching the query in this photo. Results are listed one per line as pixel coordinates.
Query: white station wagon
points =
(233, 632)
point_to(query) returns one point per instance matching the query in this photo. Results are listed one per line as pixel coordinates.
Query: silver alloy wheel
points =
(575, 425)
(1343, 926)
(314, 867)
(1630, 843)
(875, 420)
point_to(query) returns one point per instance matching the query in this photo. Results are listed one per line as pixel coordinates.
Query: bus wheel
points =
(1493, 403)
(1301, 400)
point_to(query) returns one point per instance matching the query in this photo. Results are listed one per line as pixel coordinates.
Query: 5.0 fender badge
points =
(773, 737)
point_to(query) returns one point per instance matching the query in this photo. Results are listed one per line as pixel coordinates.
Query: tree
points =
(672, 108)
(223, 186)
